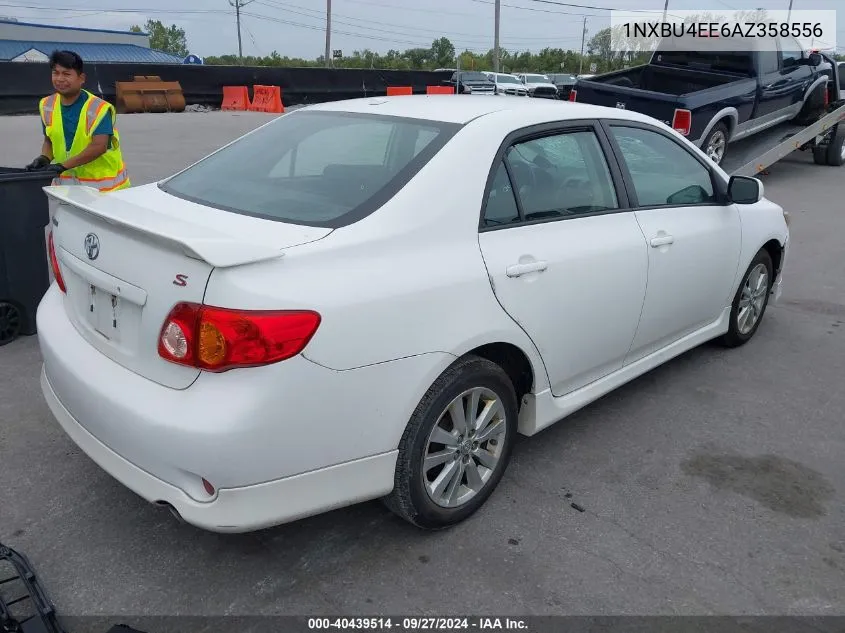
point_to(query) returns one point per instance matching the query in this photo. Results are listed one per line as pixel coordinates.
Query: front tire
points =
(456, 446)
(751, 300)
(836, 147)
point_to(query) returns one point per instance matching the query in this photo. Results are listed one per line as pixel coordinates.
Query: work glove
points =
(54, 168)
(39, 163)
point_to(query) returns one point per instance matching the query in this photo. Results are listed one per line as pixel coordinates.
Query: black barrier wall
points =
(22, 85)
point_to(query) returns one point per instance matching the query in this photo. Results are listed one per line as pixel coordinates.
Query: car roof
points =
(465, 108)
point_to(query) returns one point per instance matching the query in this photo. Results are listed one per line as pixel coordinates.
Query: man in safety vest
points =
(81, 142)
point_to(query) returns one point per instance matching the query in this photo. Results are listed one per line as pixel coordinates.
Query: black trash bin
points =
(24, 268)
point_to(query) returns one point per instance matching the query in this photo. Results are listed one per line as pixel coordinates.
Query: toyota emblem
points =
(92, 246)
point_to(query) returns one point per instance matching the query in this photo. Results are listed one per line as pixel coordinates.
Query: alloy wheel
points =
(716, 147)
(464, 447)
(752, 299)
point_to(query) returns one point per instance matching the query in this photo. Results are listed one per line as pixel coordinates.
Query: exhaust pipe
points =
(173, 511)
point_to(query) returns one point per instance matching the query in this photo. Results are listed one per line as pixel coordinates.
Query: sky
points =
(296, 28)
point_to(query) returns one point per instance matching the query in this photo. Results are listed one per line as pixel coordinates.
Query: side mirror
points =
(814, 59)
(745, 190)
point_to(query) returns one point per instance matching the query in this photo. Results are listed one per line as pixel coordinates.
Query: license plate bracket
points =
(104, 312)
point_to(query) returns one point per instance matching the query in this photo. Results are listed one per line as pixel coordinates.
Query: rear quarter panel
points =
(407, 280)
(741, 96)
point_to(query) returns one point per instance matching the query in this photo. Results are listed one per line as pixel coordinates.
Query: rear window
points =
(325, 169)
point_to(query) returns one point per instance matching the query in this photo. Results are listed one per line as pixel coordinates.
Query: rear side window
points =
(663, 173)
(324, 169)
(501, 205)
(563, 175)
(768, 58)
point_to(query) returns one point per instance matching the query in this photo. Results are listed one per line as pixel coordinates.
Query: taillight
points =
(682, 121)
(573, 94)
(219, 339)
(54, 263)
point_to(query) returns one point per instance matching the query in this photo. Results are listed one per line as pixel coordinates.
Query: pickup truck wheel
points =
(836, 148)
(716, 143)
(820, 155)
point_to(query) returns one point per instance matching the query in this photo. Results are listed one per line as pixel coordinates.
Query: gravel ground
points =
(713, 485)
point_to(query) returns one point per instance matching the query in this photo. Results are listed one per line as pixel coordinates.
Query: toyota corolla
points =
(373, 298)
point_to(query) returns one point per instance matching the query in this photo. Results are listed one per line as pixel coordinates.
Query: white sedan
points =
(373, 298)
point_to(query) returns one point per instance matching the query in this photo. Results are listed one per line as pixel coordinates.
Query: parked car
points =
(507, 84)
(471, 82)
(248, 343)
(716, 97)
(564, 83)
(539, 86)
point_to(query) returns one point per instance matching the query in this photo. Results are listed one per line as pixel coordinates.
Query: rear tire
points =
(441, 483)
(750, 302)
(11, 322)
(716, 143)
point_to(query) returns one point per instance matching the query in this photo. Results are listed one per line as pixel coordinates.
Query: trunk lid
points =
(128, 257)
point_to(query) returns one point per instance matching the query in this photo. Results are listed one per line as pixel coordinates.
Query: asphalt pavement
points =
(712, 485)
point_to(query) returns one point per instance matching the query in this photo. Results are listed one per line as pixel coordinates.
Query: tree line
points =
(604, 52)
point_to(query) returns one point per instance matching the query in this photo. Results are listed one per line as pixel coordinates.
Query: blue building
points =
(26, 42)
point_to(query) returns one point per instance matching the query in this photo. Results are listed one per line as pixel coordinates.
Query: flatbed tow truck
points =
(825, 137)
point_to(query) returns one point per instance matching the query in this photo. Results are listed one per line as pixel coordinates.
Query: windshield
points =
(325, 169)
(473, 76)
(507, 79)
(536, 79)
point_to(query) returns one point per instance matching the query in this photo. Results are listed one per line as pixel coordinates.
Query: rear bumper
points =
(239, 509)
(277, 442)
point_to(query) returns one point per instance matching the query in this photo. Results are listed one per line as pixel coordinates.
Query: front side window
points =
(663, 173)
(563, 175)
(314, 168)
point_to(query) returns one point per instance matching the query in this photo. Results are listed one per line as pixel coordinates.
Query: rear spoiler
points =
(200, 242)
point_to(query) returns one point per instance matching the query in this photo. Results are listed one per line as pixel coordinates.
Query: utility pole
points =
(328, 33)
(496, 38)
(583, 37)
(239, 4)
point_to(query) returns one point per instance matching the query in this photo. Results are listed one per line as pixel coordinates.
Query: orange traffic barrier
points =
(439, 90)
(267, 99)
(395, 91)
(235, 98)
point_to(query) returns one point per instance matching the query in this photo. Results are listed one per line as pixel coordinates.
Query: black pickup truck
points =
(718, 96)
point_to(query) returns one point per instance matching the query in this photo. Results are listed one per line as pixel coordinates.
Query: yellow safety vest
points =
(106, 173)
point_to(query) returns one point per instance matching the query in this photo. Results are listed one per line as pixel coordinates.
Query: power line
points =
(131, 11)
(361, 35)
(535, 10)
(414, 31)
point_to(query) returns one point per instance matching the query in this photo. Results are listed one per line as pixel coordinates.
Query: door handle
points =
(517, 270)
(663, 240)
